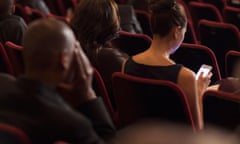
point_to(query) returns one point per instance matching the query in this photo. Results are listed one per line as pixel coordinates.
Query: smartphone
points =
(205, 69)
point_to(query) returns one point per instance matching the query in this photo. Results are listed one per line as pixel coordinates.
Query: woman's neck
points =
(157, 54)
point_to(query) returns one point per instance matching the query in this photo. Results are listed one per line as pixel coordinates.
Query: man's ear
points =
(65, 60)
(13, 9)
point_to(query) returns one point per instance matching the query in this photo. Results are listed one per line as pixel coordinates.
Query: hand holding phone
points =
(205, 69)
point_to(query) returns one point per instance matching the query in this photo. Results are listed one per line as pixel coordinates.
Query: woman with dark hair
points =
(95, 23)
(168, 24)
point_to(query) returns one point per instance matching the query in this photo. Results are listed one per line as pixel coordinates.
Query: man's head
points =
(6, 7)
(48, 47)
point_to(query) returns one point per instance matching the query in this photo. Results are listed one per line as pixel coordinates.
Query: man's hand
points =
(78, 89)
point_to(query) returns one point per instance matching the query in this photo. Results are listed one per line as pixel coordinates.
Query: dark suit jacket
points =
(12, 29)
(42, 114)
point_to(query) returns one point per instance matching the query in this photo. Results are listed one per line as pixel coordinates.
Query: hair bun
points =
(161, 5)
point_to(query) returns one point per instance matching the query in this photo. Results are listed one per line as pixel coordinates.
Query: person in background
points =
(12, 27)
(96, 23)
(138, 4)
(230, 84)
(55, 68)
(234, 3)
(128, 19)
(168, 24)
(35, 4)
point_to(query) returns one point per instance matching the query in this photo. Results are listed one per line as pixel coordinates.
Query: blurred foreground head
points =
(152, 132)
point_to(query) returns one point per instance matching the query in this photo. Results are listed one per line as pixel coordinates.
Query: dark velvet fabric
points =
(42, 114)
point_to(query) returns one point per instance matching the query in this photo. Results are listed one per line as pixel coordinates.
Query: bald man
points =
(12, 27)
(54, 61)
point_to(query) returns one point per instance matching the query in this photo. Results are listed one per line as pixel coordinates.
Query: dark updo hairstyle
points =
(165, 14)
(93, 22)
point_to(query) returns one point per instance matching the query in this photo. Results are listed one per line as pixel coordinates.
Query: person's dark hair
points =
(6, 6)
(165, 14)
(94, 22)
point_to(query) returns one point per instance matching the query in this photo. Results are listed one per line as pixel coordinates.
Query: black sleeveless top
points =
(170, 72)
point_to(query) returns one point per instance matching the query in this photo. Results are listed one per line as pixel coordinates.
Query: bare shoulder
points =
(186, 79)
(186, 73)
